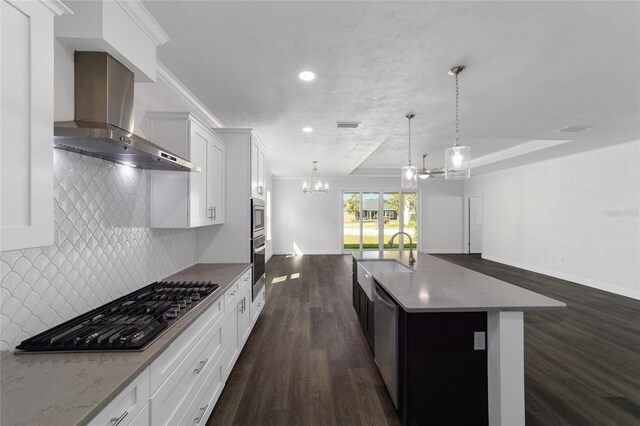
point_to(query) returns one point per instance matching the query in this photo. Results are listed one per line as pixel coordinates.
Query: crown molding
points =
(57, 7)
(516, 151)
(141, 15)
(199, 110)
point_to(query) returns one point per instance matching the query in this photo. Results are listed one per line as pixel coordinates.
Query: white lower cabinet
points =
(183, 384)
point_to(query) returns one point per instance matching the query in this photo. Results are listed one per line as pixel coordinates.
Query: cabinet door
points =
(26, 113)
(198, 181)
(244, 317)
(254, 169)
(230, 338)
(261, 171)
(215, 182)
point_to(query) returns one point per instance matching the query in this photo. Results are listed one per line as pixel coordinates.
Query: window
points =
(370, 219)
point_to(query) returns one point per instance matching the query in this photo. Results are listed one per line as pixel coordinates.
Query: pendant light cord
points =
(409, 156)
(457, 119)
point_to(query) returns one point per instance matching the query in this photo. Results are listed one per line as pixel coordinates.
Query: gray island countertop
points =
(441, 286)
(71, 388)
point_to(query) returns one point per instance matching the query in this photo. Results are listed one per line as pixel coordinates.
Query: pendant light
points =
(457, 158)
(315, 185)
(409, 172)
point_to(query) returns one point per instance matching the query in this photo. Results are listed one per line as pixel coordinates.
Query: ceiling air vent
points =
(573, 129)
(348, 124)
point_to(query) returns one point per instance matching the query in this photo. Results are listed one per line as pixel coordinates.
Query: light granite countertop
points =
(441, 286)
(71, 388)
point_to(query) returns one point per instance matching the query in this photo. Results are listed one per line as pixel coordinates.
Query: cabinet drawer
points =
(231, 295)
(178, 351)
(234, 290)
(245, 279)
(127, 405)
(257, 305)
(170, 401)
(205, 398)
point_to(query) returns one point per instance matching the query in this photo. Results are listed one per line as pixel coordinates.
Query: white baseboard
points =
(442, 251)
(573, 278)
(287, 252)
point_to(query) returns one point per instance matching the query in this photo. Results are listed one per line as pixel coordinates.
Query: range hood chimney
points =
(103, 125)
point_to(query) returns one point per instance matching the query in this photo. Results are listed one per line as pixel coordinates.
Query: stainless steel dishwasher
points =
(386, 341)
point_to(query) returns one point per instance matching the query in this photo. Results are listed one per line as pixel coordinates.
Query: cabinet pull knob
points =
(201, 414)
(117, 420)
(201, 366)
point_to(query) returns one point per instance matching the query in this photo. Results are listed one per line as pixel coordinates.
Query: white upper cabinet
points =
(26, 138)
(258, 167)
(187, 199)
(216, 181)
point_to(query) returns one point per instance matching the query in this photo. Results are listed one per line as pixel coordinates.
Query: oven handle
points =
(259, 248)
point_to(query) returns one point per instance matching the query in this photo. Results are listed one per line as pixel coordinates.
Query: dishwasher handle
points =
(383, 300)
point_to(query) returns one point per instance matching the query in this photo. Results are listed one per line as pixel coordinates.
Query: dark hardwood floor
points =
(307, 361)
(582, 365)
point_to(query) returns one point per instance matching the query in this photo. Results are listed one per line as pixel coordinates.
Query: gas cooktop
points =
(127, 323)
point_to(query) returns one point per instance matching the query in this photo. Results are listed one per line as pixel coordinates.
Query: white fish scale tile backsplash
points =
(103, 249)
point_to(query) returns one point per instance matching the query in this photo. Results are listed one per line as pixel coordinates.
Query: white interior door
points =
(475, 224)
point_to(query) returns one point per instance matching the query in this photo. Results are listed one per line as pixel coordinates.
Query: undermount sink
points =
(367, 268)
(374, 266)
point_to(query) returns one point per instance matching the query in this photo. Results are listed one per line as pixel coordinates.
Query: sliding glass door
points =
(370, 219)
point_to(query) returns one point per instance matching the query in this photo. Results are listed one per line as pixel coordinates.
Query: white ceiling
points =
(532, 68)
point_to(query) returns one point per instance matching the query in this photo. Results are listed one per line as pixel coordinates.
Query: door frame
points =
(467, 223)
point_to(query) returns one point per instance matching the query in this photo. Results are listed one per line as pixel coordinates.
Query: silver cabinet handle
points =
(214, 214)
(117, 420)
(201, 414)
(201, 366)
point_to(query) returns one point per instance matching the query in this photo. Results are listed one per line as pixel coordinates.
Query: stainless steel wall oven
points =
(258, 246)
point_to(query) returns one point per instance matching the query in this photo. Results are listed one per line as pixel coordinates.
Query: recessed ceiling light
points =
(307, 75)
(307, 129)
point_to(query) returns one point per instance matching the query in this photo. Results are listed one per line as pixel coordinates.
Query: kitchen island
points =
(459, 337)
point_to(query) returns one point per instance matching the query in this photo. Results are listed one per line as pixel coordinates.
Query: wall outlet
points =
(479, 341)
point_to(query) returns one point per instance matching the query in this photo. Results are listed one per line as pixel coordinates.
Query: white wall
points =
(442, 216)
(313, 222)
(575, 218)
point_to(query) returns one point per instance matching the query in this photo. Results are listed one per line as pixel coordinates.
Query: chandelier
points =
(314, 185)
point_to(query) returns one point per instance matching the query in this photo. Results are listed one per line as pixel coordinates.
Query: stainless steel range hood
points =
(103, 125)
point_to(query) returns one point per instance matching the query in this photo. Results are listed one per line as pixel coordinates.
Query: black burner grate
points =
(129, 322)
